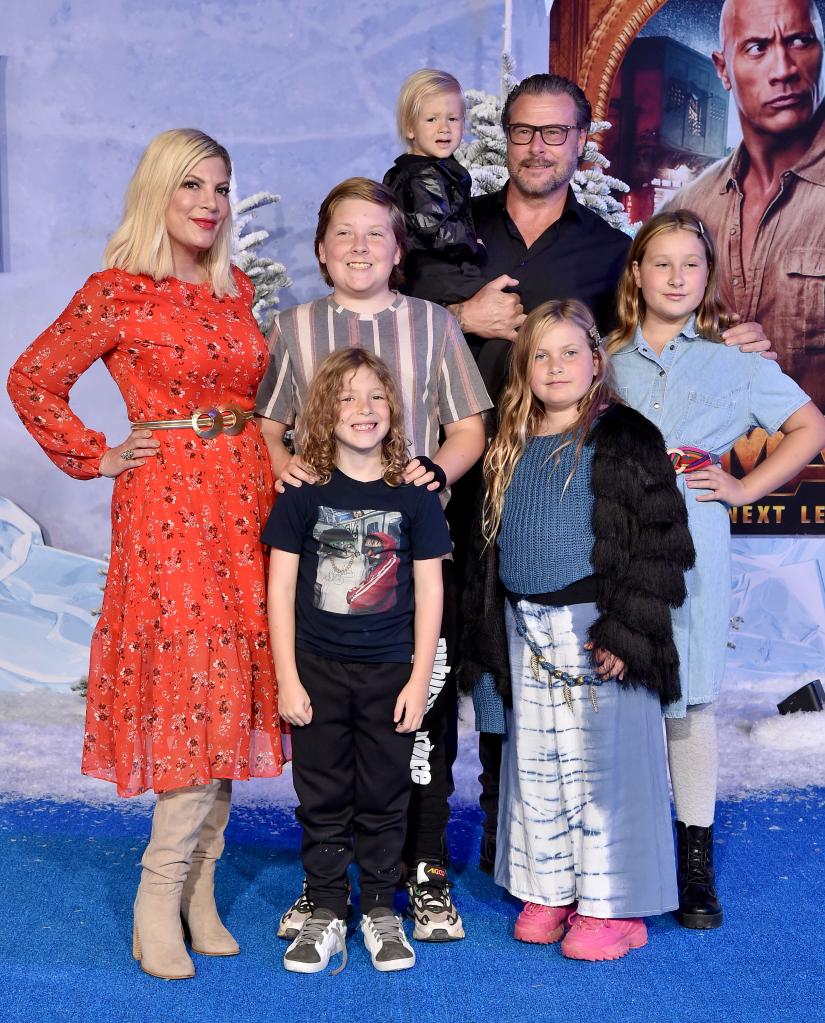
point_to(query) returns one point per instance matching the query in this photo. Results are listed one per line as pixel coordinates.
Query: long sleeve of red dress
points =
(40, 381)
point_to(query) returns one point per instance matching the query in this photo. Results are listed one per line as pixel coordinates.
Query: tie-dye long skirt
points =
(584, 808)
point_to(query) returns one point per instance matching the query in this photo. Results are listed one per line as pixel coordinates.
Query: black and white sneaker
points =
(431, 907)
(296, 916)
(322, 936)
(299, 912)
(386, 941)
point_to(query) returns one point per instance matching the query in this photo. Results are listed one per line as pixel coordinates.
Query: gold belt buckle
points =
(228, 419)
(215, 419)
(238, 419)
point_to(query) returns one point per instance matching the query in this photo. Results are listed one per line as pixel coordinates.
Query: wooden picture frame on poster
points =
(589, 40)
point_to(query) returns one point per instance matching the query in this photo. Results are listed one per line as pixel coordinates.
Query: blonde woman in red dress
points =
(182, 696)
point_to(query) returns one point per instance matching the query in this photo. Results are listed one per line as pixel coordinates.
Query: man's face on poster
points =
(771, 59)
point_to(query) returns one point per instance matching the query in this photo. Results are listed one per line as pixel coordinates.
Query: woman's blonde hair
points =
(711, 316)
(418, 87)
(140, 244)
(315, 434)
(520, 412)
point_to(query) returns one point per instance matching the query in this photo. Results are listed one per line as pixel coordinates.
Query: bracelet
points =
(435, 469)
(459, 315)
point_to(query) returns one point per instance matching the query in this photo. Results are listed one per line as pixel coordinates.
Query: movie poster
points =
(703, 121)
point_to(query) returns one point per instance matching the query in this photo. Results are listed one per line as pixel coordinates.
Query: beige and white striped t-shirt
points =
(421, 343)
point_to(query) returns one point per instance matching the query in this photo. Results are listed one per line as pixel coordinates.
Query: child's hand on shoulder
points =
(411, 705)
(294, 704)
(722, 486)
(422, 471)
(607, 665)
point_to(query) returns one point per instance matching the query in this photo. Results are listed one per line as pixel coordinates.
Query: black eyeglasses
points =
(552, 134)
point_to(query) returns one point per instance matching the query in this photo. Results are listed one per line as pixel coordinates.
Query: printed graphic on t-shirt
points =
(357, 560)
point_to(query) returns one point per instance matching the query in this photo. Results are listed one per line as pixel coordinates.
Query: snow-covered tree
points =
(593, 187)
(268, 275)
(485, 155)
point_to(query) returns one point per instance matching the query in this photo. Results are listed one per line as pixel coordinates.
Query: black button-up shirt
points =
(579, 256)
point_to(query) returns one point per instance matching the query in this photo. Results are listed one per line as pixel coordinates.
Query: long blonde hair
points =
(140, 244)
(711, 316)
(520, 412)
(315, 434)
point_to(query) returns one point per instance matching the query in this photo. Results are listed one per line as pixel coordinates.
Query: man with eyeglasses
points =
(540, 242)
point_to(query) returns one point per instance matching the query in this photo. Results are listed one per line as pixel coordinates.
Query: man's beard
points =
(559, 176)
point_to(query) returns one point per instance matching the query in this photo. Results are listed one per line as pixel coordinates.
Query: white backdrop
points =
(302, 95)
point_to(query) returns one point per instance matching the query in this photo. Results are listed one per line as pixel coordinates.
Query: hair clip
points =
(595, 337)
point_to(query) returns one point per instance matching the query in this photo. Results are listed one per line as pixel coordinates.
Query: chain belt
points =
(206, 422)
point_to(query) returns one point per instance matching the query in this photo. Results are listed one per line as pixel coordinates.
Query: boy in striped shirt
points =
(360, 244)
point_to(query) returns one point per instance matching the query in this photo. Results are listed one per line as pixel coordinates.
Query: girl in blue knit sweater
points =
(588, 530)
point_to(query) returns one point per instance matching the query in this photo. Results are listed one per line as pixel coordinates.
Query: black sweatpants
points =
(436, 746)
(351, 772)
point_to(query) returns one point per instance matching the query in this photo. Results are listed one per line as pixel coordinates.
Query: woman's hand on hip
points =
(135, 451)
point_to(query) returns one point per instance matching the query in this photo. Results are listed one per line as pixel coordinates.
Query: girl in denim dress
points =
(671, 366)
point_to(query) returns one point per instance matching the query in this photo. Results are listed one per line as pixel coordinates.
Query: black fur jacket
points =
(641, 552)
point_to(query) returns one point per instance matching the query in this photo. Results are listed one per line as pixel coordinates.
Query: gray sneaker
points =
(431, 906)
(322, 936)
(386, 941)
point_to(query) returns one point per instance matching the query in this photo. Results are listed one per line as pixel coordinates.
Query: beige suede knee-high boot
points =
(176, 827)
(207, 934)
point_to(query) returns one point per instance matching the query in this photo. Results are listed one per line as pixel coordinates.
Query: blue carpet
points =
(69, 872)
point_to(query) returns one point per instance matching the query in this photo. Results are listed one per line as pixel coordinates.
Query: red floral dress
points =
(181, 679)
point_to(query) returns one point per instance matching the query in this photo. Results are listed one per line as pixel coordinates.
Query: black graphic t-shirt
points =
(357, 542)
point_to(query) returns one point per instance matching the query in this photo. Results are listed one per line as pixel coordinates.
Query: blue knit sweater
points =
(546, 537)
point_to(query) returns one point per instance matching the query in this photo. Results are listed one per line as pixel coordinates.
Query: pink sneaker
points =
(541, 925)
(594, 939)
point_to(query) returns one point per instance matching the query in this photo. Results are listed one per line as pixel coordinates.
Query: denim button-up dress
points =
(705, 394)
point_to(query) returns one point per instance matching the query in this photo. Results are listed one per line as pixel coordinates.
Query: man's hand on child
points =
(722, 486)
(607, 665)
(294, 704)
(295, 472)
(423, 472)
(410, 706)
(749, 337)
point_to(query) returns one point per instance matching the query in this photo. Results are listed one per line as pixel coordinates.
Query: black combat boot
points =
(699, 907)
